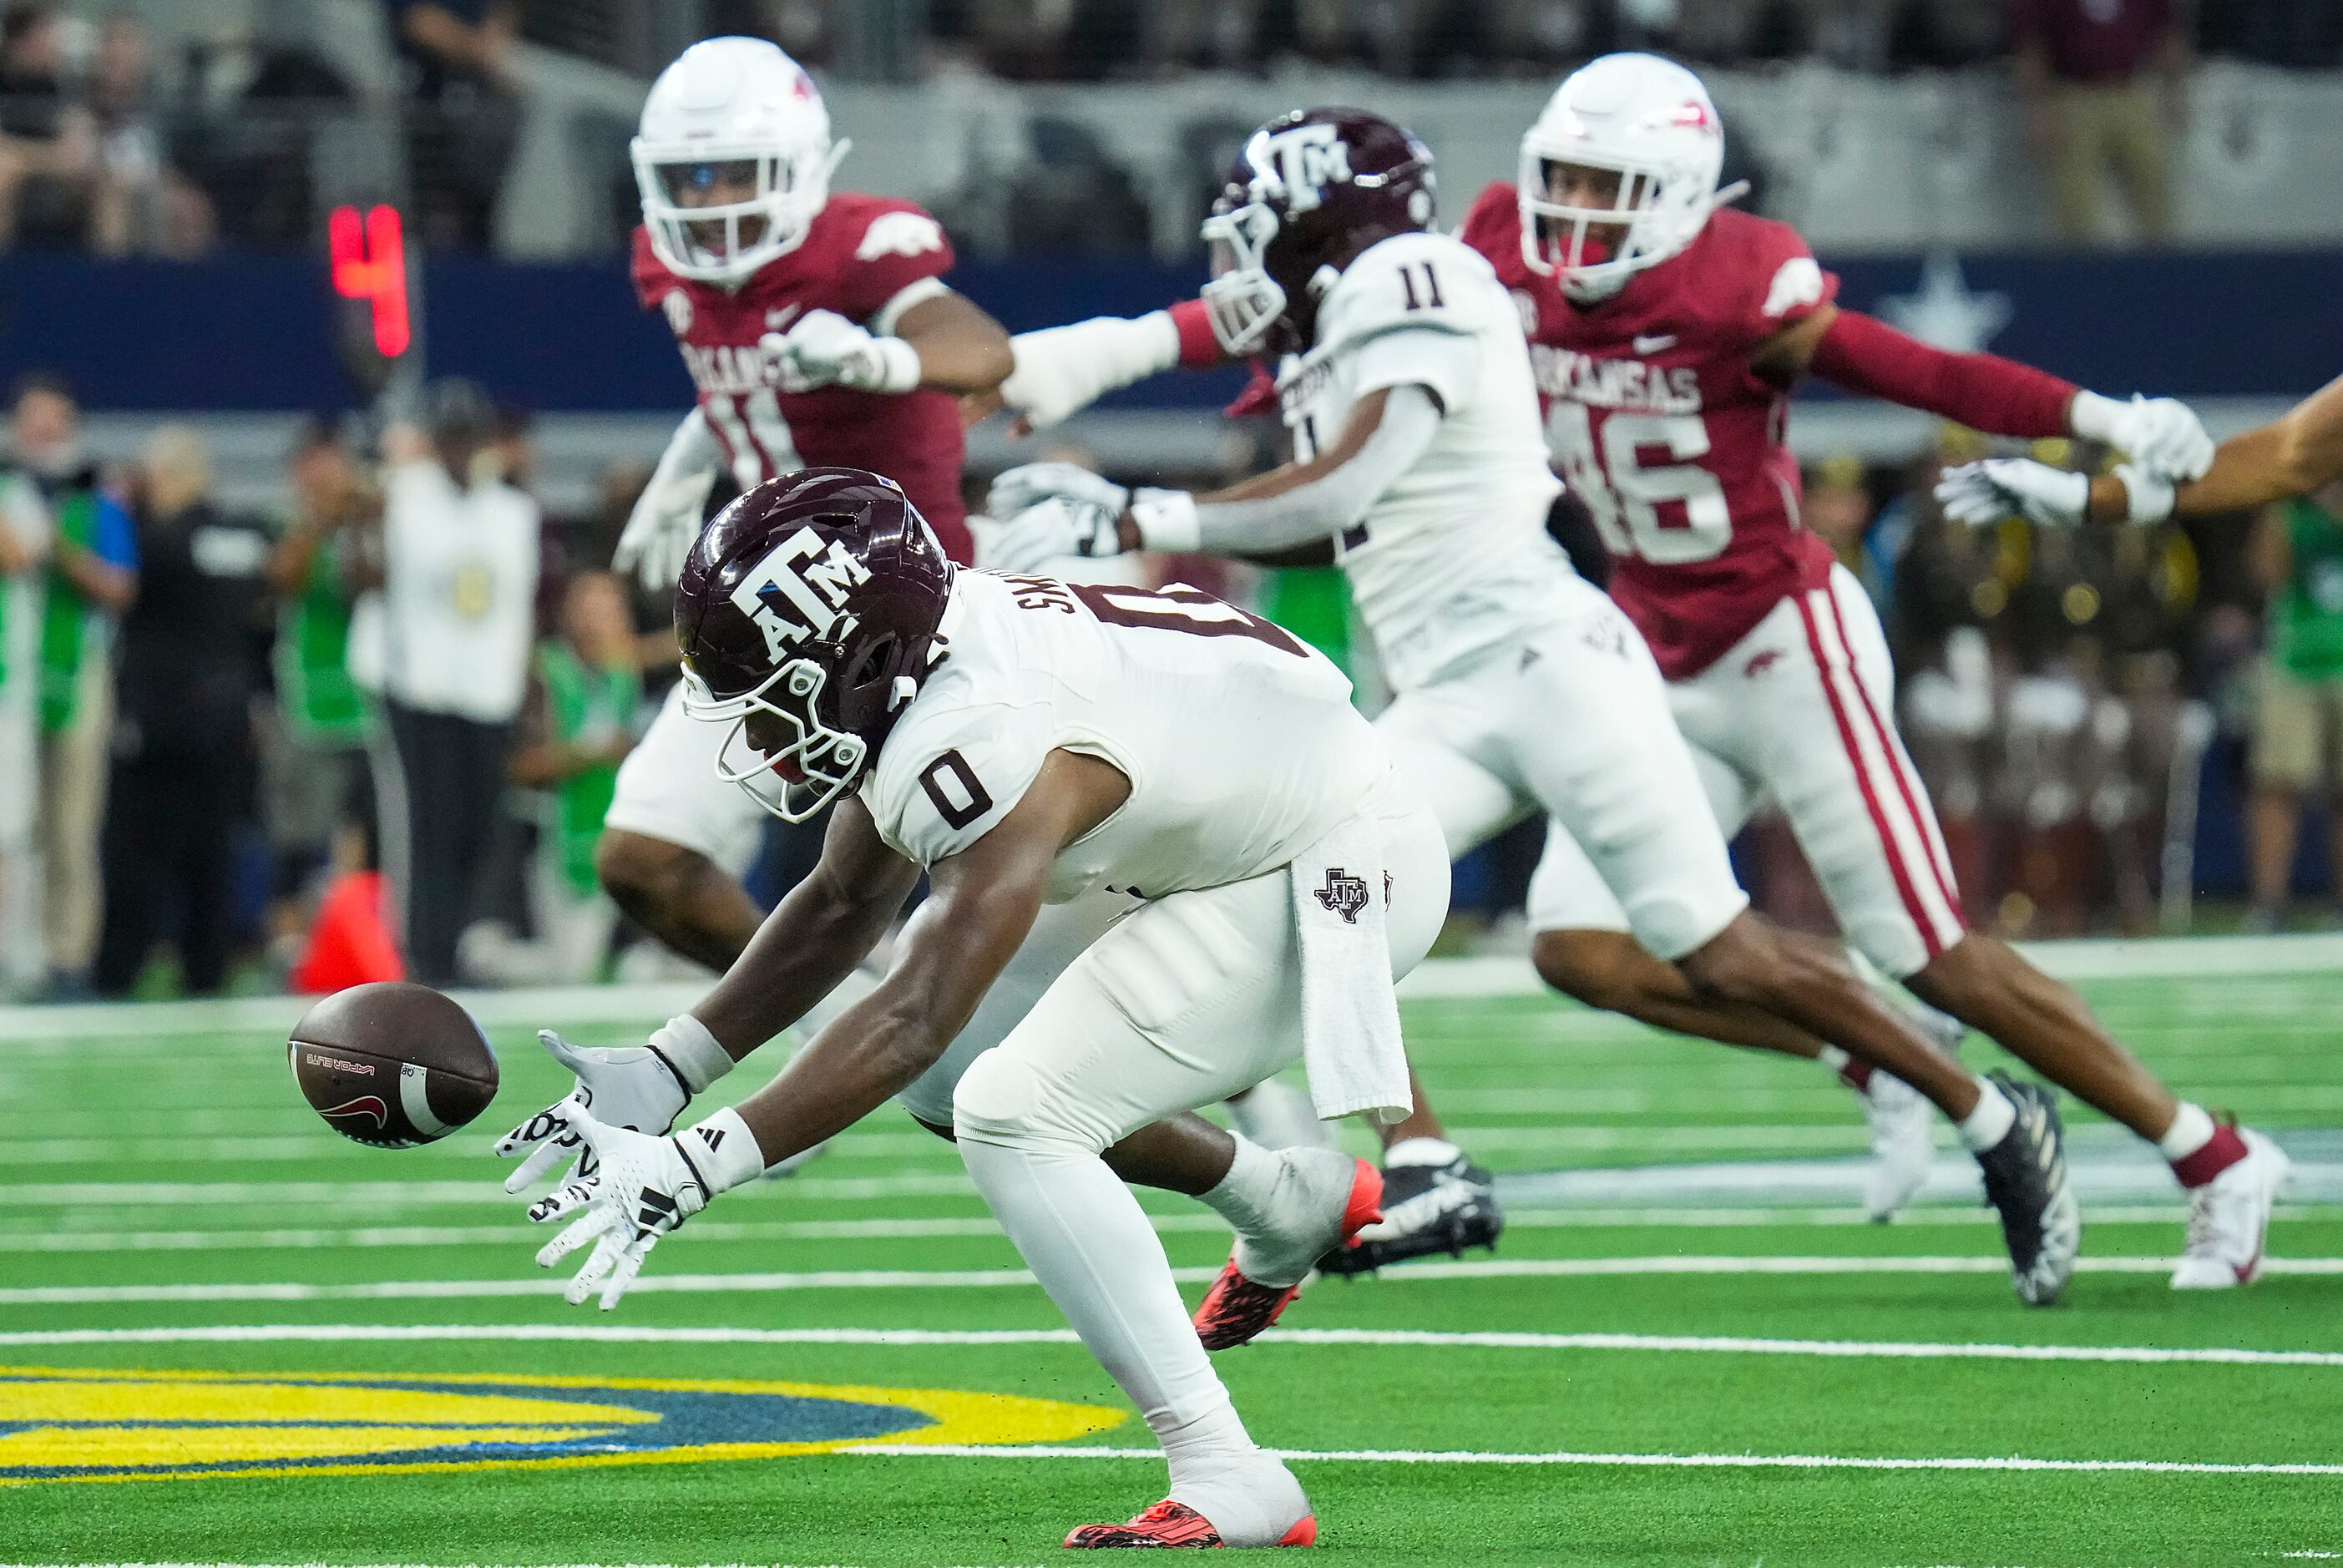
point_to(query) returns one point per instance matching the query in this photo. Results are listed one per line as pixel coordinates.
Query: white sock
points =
(1420, 1152)
(1087, 1241)
(1243, 1196)
(2191, 1130)
(1990, 1122)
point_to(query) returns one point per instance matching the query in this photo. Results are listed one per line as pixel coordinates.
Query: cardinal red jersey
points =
(1659, 425)
(860, 254)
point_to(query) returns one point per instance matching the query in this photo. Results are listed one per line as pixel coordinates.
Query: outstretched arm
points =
(1982, 391)
(813, 938)
(1864, 355)
(981, 904)
(1061, 370)
(2291, 456)
(1057, 509)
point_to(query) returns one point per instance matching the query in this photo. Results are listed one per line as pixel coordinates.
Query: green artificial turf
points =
(175, 1183)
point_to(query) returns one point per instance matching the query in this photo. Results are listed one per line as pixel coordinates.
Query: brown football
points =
(393, 1064)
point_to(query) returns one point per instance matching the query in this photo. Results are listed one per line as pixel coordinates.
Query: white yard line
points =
(366, 1238)
(982, 1279)
(1503, 976)
(1428, 1339)
(19, 1197)
(1636, 1461)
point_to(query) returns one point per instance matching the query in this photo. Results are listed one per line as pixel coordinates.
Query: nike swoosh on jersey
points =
(777, 320)
(1656, 342)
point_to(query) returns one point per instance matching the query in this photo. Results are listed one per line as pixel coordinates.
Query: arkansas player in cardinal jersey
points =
(818, 330)
(1666, 330)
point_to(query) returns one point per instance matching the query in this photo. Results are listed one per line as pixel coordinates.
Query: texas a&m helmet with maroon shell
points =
(1311, 190)
(807, 614)
(733, 158)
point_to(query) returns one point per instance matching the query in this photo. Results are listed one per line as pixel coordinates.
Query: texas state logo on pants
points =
(103, 1425)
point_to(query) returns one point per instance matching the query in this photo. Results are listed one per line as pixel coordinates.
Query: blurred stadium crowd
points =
(226, 735)
(167, 130)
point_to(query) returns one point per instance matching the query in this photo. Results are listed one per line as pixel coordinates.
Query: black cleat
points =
(1427, 1209)
(2025, 1183)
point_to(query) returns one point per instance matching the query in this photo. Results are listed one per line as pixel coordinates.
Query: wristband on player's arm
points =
(724, 1152)
(899, 365)
(684, 1043)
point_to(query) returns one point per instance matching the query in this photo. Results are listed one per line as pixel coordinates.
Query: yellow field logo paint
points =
(101, 1424)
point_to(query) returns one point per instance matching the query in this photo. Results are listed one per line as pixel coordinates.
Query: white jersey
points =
(1240, 744)
(1455, 554)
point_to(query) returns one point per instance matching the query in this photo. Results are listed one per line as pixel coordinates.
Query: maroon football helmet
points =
(1311, 190)
(808, 611)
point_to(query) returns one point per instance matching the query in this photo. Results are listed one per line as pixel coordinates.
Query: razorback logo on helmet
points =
(900, 233)
(808, 575)
(1696, 113)
(1302, 162)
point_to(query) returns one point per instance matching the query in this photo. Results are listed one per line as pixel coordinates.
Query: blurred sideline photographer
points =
(91, 577)
(458, 594)
(183, 733)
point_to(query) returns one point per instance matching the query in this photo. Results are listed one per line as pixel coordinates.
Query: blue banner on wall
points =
(254, 332)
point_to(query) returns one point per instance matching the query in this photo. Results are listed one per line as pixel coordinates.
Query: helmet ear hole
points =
(874, 661)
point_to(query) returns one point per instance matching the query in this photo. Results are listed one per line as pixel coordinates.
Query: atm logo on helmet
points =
(1302, 162)
(796, 591)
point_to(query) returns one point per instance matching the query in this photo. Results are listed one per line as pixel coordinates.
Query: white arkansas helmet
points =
(1650, 122)
(732, 110)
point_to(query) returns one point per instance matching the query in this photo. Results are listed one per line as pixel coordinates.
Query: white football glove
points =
(667, 515)
(641, 1187)
(2161, 435)
(1030, 483)
(822, 349)
(628, 1086)
(1983, 494)
(1050, 531)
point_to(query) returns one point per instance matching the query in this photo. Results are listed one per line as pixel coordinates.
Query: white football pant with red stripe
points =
(1800, 712)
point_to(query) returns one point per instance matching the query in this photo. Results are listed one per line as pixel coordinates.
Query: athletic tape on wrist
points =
(684, 1043)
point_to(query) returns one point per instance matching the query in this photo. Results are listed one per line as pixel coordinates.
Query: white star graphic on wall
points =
(1944, 312)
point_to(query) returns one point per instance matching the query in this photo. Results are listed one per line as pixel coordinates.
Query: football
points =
(392, 1064)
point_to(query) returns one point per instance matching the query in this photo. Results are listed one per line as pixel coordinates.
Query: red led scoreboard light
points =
(371, 263)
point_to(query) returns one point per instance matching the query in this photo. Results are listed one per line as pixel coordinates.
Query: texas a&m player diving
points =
(817, 328)
(1025, 742)
(1403, 376)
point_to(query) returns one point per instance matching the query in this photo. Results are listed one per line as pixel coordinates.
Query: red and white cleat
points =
(1170, 1523)
(2228, 1217)
(1237, 1307)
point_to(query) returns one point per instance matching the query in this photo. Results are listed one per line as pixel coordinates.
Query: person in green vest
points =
(2297, 729)
(577, 724)
(314, 778)
(90, 578)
